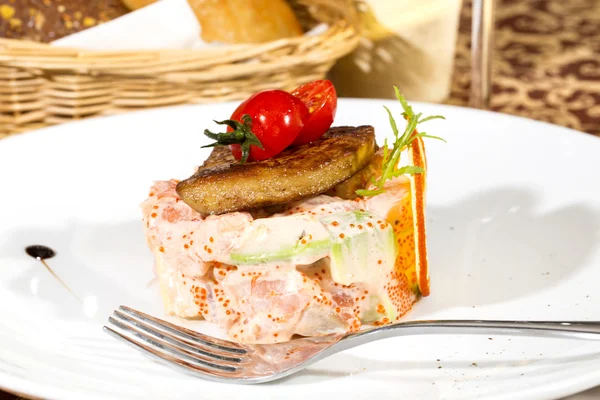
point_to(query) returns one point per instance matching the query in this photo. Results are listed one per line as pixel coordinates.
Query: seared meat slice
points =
(222, 185)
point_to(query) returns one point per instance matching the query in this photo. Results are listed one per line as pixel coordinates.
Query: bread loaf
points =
(137, 4)
(225, 21)
(48, 20)
(245, 21)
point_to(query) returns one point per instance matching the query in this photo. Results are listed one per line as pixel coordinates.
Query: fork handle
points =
(451, 326)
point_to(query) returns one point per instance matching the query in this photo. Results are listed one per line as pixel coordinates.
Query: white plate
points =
(513, 218)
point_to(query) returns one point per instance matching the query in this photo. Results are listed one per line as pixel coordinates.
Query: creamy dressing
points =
(319, 266)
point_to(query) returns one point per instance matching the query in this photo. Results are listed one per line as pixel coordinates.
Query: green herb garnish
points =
(390, 158)
(242, 134)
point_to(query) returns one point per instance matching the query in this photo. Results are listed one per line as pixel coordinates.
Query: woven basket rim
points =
(10, 44)
(46, 85)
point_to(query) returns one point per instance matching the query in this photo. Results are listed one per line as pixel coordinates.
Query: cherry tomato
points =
(321, 100)
(277, 119)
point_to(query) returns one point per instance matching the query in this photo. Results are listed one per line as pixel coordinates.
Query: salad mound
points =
(344, 255)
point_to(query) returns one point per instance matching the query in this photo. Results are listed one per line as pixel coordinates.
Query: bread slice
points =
(245, 21)
(224, 185)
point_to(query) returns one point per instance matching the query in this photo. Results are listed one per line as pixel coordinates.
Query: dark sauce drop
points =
(40, 252)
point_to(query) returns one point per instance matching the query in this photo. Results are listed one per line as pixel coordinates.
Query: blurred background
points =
(69, 59)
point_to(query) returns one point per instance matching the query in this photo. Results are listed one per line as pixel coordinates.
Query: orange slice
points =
(407, 216)
(417, 157)
(406, 212)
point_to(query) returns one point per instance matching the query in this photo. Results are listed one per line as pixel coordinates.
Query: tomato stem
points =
(242, 134)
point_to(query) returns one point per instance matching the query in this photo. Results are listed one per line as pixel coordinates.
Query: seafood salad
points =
(292, 226)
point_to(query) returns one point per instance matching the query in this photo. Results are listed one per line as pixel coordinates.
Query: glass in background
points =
(482, 30)
(408, 43)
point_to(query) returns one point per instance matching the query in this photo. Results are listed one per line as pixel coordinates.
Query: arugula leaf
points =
(408, 170)
(364, 192)
(430, 118)
(423, 134)
(391, 157)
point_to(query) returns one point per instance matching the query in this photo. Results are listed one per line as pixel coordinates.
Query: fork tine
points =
(185, 334)
(173, 361)
(207, 354)
(165, 350)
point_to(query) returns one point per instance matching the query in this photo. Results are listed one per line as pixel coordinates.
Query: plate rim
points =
(350, 100)
(20, 386)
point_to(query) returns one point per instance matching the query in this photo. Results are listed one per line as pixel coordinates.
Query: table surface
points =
(546, 66)
(546, 61)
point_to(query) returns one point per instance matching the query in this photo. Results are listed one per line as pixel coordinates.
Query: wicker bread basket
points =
(42, 85)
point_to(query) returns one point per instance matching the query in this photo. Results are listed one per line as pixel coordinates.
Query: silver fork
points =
(224, 361)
